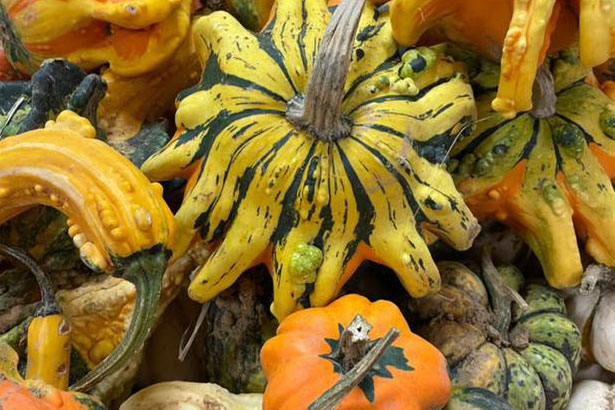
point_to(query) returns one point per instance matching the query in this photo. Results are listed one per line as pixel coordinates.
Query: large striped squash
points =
(312, 165)
(547, 173)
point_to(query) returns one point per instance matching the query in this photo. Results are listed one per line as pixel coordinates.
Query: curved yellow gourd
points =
(518, 33)
(61, 166)
(132, 36)
(117, 218)
(312, 205)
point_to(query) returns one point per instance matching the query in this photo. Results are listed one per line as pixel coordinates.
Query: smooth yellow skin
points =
(167, 21)
(112, 207)
(49, 351)
(597, 34)
(247, 129)
(129, 102)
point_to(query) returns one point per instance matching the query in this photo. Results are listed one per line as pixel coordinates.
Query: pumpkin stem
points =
(319, 111)
(502, 297)
(543, 97)
(593, 275)
(354, 344)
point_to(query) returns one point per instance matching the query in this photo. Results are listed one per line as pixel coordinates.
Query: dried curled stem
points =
(354, 350)
(319, 111)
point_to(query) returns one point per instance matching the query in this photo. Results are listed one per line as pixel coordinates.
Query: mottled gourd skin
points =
(533, 373)
(19, 394)
(549, 179)
(262, 186)
(132, 37)
(299, 366)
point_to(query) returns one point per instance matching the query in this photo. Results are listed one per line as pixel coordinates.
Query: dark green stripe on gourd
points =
(528, 359)
(473, 398)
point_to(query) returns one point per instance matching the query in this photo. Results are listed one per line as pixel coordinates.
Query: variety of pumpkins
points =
(309, 137)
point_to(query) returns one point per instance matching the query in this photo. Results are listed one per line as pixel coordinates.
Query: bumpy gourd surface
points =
(518, 33)
(546, 177)
(533, 372)
(113, 210)
(267, 186)
(133, 37)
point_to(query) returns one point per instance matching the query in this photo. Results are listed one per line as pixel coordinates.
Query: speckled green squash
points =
(474, 398)
(532, 372)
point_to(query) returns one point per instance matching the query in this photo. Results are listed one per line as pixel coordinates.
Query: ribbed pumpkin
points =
(357, 176)
(547, 172)
(519, 33)
(304, 359)
(526, 355)
(19, 394)
(117, 218)
(132, 37)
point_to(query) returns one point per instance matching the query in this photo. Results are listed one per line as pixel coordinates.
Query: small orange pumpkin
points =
(19, 394)
(304, 360)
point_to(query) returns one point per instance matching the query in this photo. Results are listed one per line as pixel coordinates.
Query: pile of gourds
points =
(247, 204)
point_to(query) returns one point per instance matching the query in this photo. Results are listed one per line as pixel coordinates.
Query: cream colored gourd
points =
(592, 395)
(593, 310)
(190, 396)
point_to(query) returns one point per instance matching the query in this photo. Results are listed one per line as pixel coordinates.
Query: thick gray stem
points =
(320, 110)
(543, 97)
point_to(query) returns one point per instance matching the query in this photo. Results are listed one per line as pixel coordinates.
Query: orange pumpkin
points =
(303, 361)
(19, 394)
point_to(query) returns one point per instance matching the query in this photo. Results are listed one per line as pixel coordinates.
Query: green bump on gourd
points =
(570, 139)
(607, 121)
(553, 196)
(416, 61)
(304, 263)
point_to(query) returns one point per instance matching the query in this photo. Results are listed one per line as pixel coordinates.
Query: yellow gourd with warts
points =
(117, 218)
(546, 173)
(518, 33)
(350, 164)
